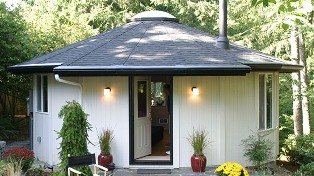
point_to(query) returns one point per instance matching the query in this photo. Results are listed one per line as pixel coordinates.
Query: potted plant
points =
(199, 142)
(105, 158)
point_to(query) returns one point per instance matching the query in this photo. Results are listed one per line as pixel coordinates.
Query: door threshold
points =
(151, 166)
(154, 158)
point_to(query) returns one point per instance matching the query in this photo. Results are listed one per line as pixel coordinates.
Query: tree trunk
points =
(304, 86)
(296, 88)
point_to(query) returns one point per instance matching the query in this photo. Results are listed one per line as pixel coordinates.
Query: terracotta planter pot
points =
(104, 160)
(198, 163)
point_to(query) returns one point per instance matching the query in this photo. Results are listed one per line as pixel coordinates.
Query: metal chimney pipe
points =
(222, 41)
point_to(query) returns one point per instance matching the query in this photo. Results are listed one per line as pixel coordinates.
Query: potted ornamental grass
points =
(199, 142)
(105, 158)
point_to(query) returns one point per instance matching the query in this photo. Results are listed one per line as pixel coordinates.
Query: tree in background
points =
(296, 18)
(14, 48)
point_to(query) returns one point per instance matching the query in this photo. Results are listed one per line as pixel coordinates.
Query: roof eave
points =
(282, 68)
(156, 71)
(30, 69)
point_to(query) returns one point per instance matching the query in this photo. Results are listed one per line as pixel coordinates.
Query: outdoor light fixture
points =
(107, 91)
(195, 91)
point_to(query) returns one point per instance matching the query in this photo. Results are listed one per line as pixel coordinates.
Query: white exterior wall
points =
(227, 108)
(46, 124)
(108, 112)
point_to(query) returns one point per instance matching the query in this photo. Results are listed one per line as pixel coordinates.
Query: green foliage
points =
(305, 170)
(13, 167)
(265, 171)
(285, 129)
(74, 133)
(8, 127)
(300, 149)
(23, 155)
(35, 171)
(14, 48)
(105, 139)
(58, 173)
(2, 167)
(257, 149)
(199, 141)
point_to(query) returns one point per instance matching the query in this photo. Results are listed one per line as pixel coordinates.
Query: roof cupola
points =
(153, 15)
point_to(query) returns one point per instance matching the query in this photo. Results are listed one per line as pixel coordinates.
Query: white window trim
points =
(274, 91)
(42, 94)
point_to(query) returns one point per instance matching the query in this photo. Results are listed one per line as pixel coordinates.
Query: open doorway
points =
(152, 117)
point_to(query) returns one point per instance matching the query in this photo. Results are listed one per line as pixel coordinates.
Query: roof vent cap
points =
(153, 15)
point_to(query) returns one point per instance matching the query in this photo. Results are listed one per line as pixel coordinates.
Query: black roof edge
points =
(282, 68)
(174, 72)
(31, 69)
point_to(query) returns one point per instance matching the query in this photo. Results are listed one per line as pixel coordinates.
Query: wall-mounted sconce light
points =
(107, 91)
(195, 91)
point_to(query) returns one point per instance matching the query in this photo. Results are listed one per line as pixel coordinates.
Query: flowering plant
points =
(24, 155)
(231, 169)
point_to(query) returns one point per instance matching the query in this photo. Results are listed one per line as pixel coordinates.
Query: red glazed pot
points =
(198, 163)
(104, 160)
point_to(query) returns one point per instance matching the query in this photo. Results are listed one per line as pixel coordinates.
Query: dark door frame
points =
(133, 161)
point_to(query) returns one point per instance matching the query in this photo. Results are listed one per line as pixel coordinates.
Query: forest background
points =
(282, 28)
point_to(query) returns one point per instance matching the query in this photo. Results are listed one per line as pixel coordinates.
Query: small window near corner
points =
(265, 101)
(42, 93)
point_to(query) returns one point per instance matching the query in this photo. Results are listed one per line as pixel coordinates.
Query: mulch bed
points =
(290, 166)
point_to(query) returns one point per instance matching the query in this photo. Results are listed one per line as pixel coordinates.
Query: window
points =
(157, 94)
(142, 98)
(42, 93)
(265, 101)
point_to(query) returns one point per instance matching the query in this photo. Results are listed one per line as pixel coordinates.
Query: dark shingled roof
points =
(152, 46)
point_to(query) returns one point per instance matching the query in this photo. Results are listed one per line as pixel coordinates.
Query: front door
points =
(142, 117)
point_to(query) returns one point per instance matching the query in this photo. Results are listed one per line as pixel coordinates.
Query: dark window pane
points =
(45, 94)
(38, 87)
(269, 101)
(261, 102)
(142, 98)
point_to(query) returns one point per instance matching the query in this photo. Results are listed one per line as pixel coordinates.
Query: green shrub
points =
(20, 154)
(57, 173)
(285, 129)
(8, 127)
(35, 171)
(74, 134)
(305, 170)
(13, 167)
(300, 149)
(2, 167)
(257, 150)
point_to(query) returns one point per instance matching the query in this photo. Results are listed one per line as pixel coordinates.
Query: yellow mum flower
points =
(231, 169)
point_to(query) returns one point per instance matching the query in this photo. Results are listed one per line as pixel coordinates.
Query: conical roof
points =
(152, 42)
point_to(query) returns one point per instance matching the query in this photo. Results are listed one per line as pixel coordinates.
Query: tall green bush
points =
(305, 170)
(300, 149)
(74, 133)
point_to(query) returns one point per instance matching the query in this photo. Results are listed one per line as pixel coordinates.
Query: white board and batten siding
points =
(110, 111)
(46, 124)
(227, 107)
